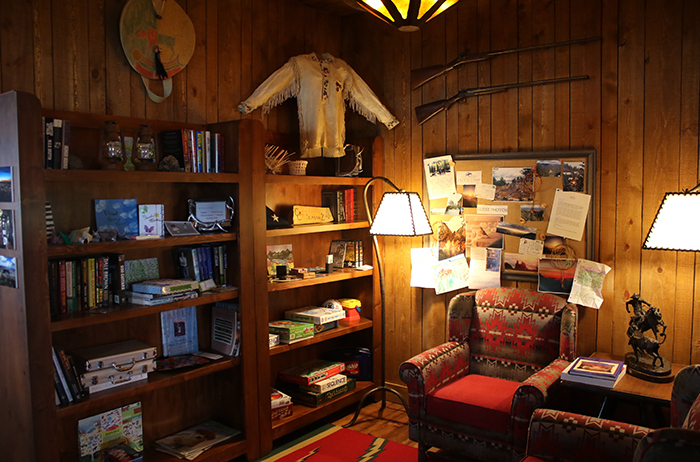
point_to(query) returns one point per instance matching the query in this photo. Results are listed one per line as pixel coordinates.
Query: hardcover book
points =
(604, 381)
(291, 331)
(312, 372)
(179, 331)
(316, 399)
(151, 221)
(165, 286)
(596, 367)
(315, 314)
(117, 215)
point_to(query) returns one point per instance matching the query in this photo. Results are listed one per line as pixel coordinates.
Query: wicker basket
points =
(298, 167)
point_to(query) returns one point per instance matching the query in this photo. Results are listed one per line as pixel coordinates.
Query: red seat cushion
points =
(475, 400)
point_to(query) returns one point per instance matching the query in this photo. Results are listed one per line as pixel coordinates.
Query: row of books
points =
(196, 151)
(315, 382)
(85, 283)
(347, 253)
(56, 141)
(67, 384)
(303, 323)
(202, 263)
(341, 203)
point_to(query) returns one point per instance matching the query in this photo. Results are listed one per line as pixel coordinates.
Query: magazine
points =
(190, 443)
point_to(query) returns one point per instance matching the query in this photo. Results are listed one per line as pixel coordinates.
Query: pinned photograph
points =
(532, 212)
(555, 275)
(5, 184)
(8, 271)
(469, 199)
(520, 263)
(450, 243)
(549, 168)
(513, 183)
(454, 204)
(513, 229)
(554, 245)
(7, 229)
(439, 176)
(481, 231)
(573, 176)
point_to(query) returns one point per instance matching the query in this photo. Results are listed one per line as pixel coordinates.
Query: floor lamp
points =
(400, 213)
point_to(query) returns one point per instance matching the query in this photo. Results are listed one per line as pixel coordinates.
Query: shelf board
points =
(78, 250)
(119, 176)
(319, 228)
(336, 275)
(128, 311)
(108, 399)
(318, 180)
(303, 415)
(226, 450)
(344, 328)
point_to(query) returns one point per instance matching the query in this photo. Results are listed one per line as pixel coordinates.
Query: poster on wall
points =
(5, 184)
(8, 271)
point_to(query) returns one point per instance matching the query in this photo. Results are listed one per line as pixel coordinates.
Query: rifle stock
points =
(424, 75)
(426, 111)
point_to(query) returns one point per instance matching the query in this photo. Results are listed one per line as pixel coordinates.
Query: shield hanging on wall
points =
(158, 40)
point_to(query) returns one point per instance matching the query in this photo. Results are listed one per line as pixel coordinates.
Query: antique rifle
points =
(426, 74)
(426, 111)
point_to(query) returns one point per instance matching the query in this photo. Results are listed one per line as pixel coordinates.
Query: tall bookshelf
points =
(310, 245)
(226, 390)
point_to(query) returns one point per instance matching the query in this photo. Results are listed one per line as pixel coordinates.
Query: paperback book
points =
(179, 331)
(164, 286)
(190, 443)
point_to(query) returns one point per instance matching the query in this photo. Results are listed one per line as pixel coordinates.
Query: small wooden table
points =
(636, 390)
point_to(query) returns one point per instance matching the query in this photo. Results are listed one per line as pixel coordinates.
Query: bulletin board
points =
(528, 207)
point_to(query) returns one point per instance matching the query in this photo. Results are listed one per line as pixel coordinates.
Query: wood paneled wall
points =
(639, 110)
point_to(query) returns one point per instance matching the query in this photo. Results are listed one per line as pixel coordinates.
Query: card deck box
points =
(119, 355)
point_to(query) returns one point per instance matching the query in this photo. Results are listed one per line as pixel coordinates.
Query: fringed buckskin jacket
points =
(321, 86)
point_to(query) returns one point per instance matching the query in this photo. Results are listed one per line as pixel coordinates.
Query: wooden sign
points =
(303, 215)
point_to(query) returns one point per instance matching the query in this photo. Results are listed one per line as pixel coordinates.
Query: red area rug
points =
(338, 444)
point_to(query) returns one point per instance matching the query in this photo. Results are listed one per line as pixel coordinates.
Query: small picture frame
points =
(181, 228)
(211, 214)
(5, 184)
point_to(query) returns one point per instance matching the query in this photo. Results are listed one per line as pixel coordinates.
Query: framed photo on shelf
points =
(181, 228)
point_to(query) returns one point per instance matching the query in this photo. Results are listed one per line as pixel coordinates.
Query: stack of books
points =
(322, 318)
(190, 443)
(605, 373)
(159, 291)
(316, 382)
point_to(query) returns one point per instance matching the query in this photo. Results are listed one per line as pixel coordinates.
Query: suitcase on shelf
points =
(95, 380)
(120, 356)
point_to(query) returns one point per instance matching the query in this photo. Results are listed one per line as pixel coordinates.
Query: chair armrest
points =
(668, 444)
(432, 369)
(686, 388)
(568, 437)
(532, 394)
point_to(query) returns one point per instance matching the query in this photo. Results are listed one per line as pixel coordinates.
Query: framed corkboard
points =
(524, 185)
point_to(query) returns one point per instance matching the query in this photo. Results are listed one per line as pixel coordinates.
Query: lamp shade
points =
(677, 223)
(400, 214)
(406, 15)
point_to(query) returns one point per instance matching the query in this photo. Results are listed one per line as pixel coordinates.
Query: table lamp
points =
(400, 213)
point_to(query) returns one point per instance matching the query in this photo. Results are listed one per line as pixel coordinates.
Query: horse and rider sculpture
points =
(642, 320)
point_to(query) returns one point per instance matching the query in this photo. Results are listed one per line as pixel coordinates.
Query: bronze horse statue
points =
(650, 320)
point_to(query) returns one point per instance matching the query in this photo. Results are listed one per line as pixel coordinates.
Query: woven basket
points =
(298, 167)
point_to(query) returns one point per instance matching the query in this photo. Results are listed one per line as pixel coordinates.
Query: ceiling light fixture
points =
(406, 15)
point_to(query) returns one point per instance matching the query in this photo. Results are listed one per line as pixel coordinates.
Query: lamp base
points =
(645, 370)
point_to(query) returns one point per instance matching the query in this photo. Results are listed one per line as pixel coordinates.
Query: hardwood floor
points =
(391, 423)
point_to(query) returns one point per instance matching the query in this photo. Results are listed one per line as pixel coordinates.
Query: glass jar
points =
(144, 150)
(111, 146)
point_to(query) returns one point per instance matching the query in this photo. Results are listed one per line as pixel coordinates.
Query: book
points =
(291, 331)
(65, 152)
(57, 143)
(117, 269)
(122, 453)
(172, 145)
(151, 221)
(48, 142)
(312, 372)
(137, 298)
(605, 380)
(338, 249)
(70, 373)
(179, 331)
(123, 425)
(596, 367)
(165, 286)
(190, 443)
(314, 314)
(326, 384)
(117, 215)
(316, 399)
(61, 376)
(279, 255)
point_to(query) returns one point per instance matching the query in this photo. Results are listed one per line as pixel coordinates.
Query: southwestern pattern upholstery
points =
(475, 394)
(557, 436)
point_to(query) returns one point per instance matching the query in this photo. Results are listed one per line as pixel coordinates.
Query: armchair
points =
(475, 394)
(568, 437)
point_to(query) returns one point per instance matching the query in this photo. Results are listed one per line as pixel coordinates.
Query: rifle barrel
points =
(423, 75)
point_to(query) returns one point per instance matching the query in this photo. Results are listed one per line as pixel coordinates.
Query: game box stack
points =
(605, 373)
(323, 319)
(316, 382)
(281, 405)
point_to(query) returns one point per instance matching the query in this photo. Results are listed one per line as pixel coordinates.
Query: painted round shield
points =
(156, 33)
